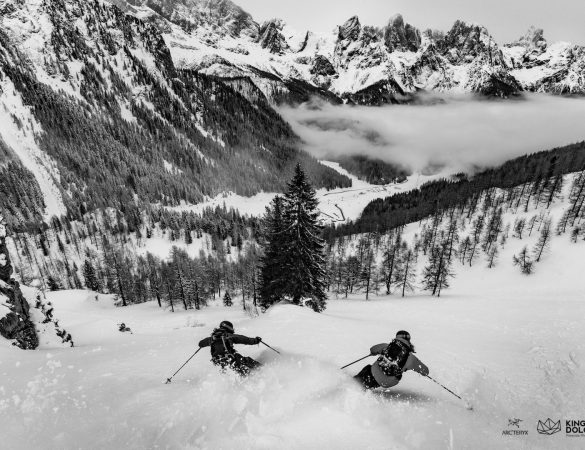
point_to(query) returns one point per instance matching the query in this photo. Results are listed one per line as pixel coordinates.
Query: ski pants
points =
(366, 378)
(242, 365)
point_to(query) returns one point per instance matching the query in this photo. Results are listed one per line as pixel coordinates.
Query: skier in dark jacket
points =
(395, 359)
(223, 354)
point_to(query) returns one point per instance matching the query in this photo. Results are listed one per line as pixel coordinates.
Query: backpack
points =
(393, 358)
(221, 343)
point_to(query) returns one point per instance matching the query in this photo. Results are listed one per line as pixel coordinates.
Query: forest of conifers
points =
(392, 212)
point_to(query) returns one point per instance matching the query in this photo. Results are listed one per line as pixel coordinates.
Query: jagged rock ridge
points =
(397, 60)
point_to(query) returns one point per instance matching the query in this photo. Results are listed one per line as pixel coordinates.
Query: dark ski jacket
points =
(222, 343)
(395, 358)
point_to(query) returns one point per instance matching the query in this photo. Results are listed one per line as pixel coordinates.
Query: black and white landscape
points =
(166, 165)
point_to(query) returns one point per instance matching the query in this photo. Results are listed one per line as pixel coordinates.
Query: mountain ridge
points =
(395, 61)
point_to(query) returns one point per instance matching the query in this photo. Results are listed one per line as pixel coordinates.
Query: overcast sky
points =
(505, 19)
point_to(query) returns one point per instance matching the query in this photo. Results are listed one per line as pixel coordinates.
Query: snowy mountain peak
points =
(350, 29)
(467, 41)
(401, 36)
(222, 17)
(356, 62)
(271, 37)
(533, 39)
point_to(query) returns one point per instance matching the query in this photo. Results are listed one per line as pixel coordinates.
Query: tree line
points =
(542, 170)
(283, 257)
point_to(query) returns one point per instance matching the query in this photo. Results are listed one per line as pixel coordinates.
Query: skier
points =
(222, 342)
(395, 359)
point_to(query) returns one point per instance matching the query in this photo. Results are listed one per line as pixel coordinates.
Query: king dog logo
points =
(548, 427)
(518, 432)
(575, 428)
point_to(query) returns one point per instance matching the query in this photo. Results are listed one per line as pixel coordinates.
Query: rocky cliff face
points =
(350, 30)
(397, 61)
(15, 320)
(271, 37)
(401, 36)
(222, 16)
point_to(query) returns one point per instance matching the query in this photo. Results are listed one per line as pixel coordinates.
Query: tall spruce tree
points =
(294, 263)
(271, 276)
(91, 280)
(304, 265)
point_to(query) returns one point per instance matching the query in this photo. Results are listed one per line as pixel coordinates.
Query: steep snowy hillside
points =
(357, 63)
(507, 231)
(512, 345)
(94, 107)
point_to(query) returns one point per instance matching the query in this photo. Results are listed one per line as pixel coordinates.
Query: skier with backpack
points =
(224, 355)
(394, 359)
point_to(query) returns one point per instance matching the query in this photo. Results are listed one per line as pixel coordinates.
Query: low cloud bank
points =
(461, 134)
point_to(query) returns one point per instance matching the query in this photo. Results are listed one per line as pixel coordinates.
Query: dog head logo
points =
(548, 427)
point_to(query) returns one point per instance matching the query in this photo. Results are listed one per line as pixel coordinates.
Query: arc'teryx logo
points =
(548, 427)
(514, 422)
(514, 432)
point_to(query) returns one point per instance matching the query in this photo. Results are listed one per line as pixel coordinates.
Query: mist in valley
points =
(458, 134)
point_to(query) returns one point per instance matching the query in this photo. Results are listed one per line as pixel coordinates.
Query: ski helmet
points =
(227, 326)
(404, 335)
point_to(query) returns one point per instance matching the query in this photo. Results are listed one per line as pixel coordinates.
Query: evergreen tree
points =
(543, 240)
(478, 226)
(553, 190)
(492, 256)
(351, 272)
(438, 271)
(154, 280)
(227, 299)
(293, 265)
(524, 261)
(367, 276)
(91, 280)
(390, 256)
(405, 272)
(53, 284)
(464, 247)
(519, 227)
(304, 264)
(271, 275)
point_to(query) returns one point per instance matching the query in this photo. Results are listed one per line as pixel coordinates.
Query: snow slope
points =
(18, 130)
(513, 345)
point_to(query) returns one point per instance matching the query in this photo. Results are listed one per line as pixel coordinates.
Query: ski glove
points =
(258, 339)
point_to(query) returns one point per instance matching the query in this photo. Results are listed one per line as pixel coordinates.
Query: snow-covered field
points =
(512, 345)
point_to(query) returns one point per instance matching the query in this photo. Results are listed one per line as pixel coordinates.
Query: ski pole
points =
(356, 361)
(446, 388)
(273, 349)
(169, 379)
